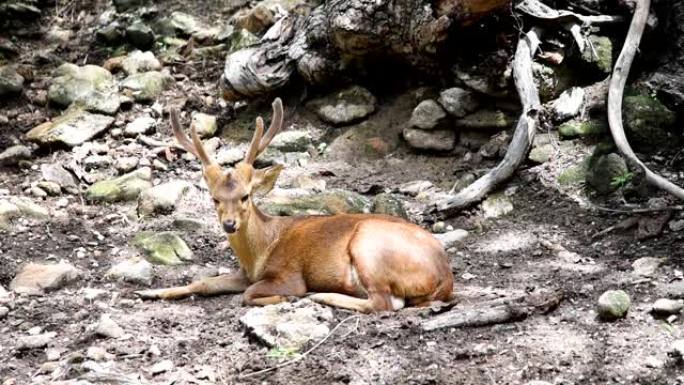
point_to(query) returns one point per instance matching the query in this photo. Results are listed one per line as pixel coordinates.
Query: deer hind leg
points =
(272, 291)
(222, 284)
(374, 302)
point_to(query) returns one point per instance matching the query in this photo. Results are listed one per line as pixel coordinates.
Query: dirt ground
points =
(207, 344)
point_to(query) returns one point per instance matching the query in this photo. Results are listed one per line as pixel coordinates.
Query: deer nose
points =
(229, 226)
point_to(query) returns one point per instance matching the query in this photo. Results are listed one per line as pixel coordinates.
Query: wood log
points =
(515, 309)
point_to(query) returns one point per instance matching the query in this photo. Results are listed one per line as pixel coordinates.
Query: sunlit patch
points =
(508, 241)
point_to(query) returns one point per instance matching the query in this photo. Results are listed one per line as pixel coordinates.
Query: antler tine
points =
(276, 124)
(201, 152)
(183, 139)
(253, 151)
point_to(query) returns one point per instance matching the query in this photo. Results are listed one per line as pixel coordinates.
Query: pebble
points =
(107, 327)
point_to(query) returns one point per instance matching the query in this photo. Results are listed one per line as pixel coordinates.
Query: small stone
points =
(3, 312)
(230, 156)
(73, 83)
(58, 174)
(36, 277)
(140, 35)
(613, 304)
(452, 238)
(344, 107)
(110, 33)
(568, 104)
(489, 120)
(36, 341)
(164, 248)
(51, 188)
(72, 128)
(126, 164)
(429, 115)
(255, 20)
(97, 353)
(91, 294)
(141, 125)
(646, 266)
(603, 171)
(162, 198)
(124, 188)
(496, 206)
(159, 165)
(139, 61)
(653, 362)
(292, 141)
(415, 187)
(106, 327)
(147, 86)
(204, 124)
(435, 140)
(10, 81)
(161, 367)
(13, 154)
(439, 227)
(458, 102)
(135, 270)
(665, 306)
(677, 225)
(388, 205)
(38, 192)
(462, 182)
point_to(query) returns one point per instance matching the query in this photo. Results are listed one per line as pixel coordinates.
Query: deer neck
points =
(254, 239)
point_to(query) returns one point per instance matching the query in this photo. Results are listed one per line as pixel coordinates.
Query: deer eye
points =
(244, 198)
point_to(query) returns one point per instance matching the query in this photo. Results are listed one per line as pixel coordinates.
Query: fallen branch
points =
(524, 131)
(616, 90)
(302, 356)
(511, 310)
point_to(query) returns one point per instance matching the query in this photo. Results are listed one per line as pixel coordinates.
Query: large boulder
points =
(344, 107)
(124, 188)
(72, 128)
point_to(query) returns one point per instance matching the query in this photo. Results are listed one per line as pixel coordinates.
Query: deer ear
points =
(264, 179)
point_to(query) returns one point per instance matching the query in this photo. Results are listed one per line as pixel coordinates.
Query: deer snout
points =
(229, 226)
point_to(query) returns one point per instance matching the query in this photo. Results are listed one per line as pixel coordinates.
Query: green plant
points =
(282, 352)
(620, 181)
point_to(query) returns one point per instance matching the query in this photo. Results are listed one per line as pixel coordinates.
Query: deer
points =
(361, 262)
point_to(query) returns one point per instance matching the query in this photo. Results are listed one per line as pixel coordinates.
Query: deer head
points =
(232, 189)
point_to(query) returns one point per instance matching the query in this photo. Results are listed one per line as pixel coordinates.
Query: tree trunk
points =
(321, 45)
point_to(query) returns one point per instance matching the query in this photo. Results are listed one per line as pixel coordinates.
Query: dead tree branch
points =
(615, 93)
(524, 131)
(511, 310)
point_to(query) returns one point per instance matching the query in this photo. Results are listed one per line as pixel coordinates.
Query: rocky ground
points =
(97, 201)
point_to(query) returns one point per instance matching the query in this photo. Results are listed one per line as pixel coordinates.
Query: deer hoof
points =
(148, 294)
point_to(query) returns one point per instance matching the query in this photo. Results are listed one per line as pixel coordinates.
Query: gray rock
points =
(552, 80)
(91, 162)
(575, 128)
(462, 182)
(140, 35)
(603, 170)
(141, 125)
(12, 155)
(647, 120)
(126, 164)
(97, 353)
(415, 187)
(646, 266)
(292, 141)
(147, 86)
(568, 104)
(458, 102)
(329, 202)
(675, 225)
(496, 206)
(613, 304)
(230, 156)
(490, 120)
(73, 83)
(134, 270)
(139, 61)
(110, 33)
(51, 188)
(452, 238)
(164, 248)
(288, 325)
(204, 124)
(72, 128)
(124, 188)
(435, 140)
(54, 172)
(665, 306)
(3, 312)
(38, 192)
(598, 53)
(162, 198)
(107, 327)
(35, 342)
(344, 107)
(388, 205)
(429, 115)
(15, 207)
(10, 81)
(162, 367)
(37, 278)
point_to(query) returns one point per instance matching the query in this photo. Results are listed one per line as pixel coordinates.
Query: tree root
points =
(496, 312)
(615, 93)
(524, 131)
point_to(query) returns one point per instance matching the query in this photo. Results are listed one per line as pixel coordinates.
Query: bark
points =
(321, 45)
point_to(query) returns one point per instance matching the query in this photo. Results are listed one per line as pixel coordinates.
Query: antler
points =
(195, 146)
(261, 141)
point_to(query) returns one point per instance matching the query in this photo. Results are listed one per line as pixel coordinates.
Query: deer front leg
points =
(223, 284)
(272, 291)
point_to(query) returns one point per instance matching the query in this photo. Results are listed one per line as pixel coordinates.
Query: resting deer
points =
(363, 262)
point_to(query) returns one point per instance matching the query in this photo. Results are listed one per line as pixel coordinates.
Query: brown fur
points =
(362, 262)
